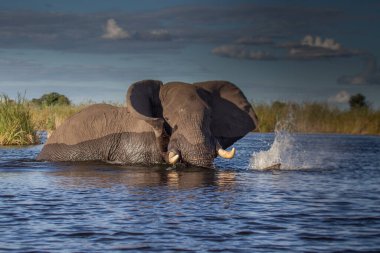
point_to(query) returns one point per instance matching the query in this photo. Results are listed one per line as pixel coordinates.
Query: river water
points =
(325, 198)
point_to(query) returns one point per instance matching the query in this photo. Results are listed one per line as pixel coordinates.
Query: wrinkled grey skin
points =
(193, 121)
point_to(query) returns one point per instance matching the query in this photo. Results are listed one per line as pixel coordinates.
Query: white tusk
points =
(226, 154)
(173, 158)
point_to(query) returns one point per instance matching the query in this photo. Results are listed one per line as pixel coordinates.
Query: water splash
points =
(285, 150)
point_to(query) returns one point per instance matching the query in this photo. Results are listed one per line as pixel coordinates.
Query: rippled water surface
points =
(326, 197)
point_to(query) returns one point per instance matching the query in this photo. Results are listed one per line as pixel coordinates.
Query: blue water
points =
(325, 198)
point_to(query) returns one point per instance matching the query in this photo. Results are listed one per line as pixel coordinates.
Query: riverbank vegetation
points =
(318, 118)
(20, 118)
(16, 123)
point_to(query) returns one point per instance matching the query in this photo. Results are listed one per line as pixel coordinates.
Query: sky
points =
(92, 50)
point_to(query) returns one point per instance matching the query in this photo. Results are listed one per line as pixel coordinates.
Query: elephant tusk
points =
(173, 157)
(226, 154)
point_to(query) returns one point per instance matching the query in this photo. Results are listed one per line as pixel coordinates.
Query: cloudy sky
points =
(273, 50)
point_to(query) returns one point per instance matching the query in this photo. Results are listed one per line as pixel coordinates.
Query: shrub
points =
(357, 102)
(50, 99)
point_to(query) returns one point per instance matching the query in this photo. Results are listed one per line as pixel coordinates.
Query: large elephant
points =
(175, 122)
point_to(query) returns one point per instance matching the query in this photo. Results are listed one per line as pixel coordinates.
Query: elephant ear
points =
(232, 115)
(143, 100)
(144, 103)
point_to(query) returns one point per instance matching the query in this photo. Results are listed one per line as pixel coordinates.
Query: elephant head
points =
(193, 123)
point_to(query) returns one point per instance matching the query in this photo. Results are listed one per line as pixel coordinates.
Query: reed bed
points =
(16, 125)
(20, 119)
(300, 117)
(48, 118)
(318, 118)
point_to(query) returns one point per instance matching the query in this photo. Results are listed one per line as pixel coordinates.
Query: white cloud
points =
(341, 97)
(315, 47)
(328, 43)
(114, 32)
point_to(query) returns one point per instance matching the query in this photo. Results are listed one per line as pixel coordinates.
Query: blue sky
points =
(273, 50)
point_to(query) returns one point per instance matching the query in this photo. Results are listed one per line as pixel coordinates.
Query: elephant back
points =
(95, 122)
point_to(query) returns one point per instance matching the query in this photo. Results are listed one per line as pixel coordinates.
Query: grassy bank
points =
(48, 118)
(303, 118)
(318, 118)
(19, 119)
(16, 124)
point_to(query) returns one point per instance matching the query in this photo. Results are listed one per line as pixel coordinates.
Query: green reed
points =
(19, 118)
(318, 118)
(16, 127)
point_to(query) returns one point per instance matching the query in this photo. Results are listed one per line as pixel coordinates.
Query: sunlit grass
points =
(16, 127)
(318, 118)
(19, 119)
(48, 118)
(302, 117)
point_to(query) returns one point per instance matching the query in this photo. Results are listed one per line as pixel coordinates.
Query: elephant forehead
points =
(181, 97)
(176, 89)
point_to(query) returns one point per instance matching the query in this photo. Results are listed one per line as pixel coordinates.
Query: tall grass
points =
(16, 127)
(303, 117)
(19, 119)
(48, 118)
(318, 118)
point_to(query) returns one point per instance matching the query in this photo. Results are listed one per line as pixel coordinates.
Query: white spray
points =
(284, 150)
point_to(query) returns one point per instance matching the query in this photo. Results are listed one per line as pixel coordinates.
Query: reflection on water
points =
(330, 205)
(105, 175)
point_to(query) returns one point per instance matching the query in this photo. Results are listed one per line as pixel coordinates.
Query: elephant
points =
(170, 123)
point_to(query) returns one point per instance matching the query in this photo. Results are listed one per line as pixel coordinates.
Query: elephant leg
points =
(137, 148)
